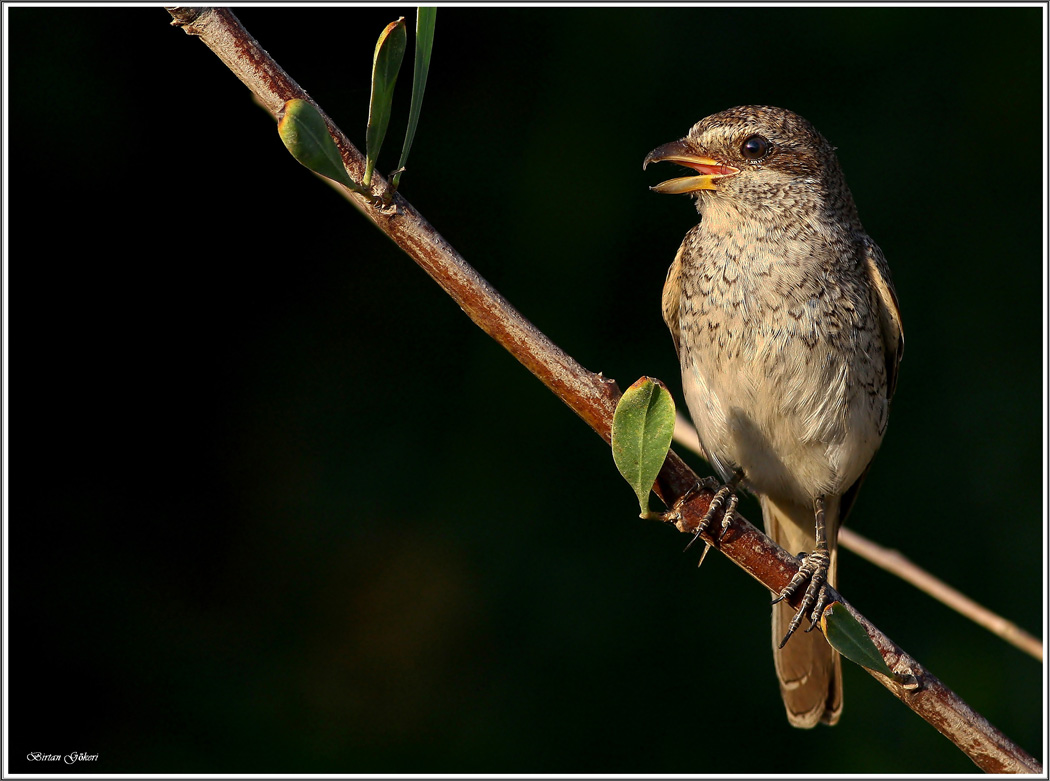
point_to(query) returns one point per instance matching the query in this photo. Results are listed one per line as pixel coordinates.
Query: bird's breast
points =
(779, 360)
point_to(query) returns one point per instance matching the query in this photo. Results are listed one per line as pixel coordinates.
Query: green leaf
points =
(425, 18)
(306, 136)
(390, 50)
(850, 639)
(641, 435)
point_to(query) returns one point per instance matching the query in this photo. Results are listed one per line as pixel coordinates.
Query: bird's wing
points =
(672, 298)
(892, 341)
(889, 313)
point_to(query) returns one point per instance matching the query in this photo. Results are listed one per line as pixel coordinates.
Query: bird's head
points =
(756, 156)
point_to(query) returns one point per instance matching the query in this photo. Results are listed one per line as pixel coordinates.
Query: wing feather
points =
(672, 299)
(892, 341)
(889, 313)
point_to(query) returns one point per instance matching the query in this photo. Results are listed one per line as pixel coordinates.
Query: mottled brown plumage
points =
(788, 331)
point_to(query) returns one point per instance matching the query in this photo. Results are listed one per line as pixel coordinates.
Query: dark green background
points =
(278, 506)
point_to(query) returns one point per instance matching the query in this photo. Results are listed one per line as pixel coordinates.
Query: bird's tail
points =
(810, 670)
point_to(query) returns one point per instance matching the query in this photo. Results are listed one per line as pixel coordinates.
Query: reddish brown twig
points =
(590, 395)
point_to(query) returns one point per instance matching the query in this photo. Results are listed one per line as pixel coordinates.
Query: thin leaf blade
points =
(386, 63)
(425, 21)
(643, 425)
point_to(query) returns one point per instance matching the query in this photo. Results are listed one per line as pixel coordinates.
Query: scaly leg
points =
(814, 569)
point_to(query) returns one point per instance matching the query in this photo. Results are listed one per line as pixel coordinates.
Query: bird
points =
(788, 330)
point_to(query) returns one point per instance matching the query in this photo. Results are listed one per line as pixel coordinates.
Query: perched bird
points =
(788, 331)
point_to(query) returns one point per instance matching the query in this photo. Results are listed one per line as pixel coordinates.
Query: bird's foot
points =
(725, 495)
(814, 569)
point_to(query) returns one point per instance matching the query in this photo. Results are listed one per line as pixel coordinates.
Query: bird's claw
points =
(814, 569)
(727, 495)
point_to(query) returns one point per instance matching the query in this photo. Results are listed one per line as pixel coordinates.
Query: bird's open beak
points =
(681, 152)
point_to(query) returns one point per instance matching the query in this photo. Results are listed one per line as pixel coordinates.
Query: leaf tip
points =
(849, 637)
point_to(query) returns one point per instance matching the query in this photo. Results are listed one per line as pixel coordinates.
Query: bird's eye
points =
(755, 148)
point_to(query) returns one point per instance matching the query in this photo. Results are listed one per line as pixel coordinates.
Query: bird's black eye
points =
(755, 148)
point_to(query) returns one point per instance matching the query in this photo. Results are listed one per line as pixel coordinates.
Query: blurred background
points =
(285, 509)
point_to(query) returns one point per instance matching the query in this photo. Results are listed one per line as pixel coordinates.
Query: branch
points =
(591, 396)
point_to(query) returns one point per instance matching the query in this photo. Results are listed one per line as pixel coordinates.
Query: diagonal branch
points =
(592, 396)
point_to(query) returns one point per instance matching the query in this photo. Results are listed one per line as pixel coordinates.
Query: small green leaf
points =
(425, 18)
(306, 136)
(390, 50)
(850, 639)
(643, 424)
